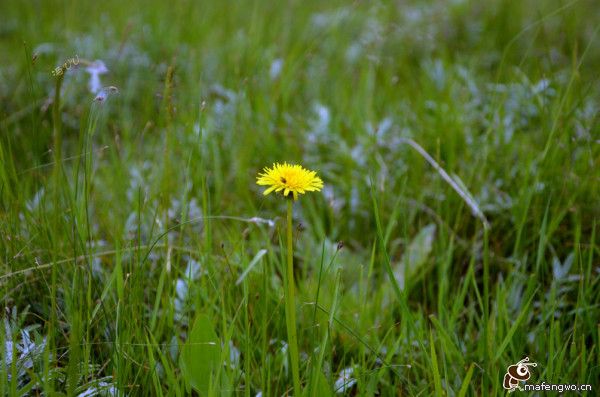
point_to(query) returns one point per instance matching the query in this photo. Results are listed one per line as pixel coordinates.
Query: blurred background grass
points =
(503, 95)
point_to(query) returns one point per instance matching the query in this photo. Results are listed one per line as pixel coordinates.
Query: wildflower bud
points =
(105, 92)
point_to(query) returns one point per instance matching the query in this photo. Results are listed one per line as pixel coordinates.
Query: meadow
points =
(455, 234)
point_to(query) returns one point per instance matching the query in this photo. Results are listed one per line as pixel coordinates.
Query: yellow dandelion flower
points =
(289, 178)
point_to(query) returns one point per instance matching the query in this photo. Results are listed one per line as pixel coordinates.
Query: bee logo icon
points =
(517, 373)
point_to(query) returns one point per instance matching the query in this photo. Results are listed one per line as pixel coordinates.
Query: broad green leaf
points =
(201, 355)
(319, 386)
(322, 386)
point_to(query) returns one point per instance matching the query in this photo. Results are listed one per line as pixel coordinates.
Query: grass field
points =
(456, 234)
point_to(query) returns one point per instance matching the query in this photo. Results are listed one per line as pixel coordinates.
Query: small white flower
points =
(344, 381)
(95, 69)
(275, 69)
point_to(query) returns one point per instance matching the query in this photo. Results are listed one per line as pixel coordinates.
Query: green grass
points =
(125, 266)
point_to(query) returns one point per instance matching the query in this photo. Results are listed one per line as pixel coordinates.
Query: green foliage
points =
(201, 356)
(426, 120)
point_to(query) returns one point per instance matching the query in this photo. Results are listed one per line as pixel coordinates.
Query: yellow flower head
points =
(289, 178)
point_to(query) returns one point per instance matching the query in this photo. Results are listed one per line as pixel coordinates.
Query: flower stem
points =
(290, 304)
(57, 127)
